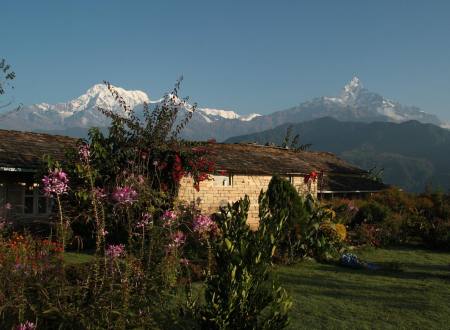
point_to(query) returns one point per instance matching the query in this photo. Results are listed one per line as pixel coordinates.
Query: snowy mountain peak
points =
(352, 90)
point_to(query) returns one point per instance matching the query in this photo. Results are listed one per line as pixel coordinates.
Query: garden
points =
(124, 253)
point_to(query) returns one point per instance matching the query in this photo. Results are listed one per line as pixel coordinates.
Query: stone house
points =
(248, 169)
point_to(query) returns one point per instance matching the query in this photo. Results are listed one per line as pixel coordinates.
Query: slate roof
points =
(268, 160)
(349, 183)
(26, 150)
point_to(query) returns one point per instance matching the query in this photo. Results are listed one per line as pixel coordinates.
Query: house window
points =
(223, 180)
(27, 200)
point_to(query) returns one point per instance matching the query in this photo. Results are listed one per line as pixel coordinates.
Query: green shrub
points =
(371, 212)
(241, 294)
(282, 195)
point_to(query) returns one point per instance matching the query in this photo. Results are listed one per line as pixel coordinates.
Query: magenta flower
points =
(169, 218)
(26, 326)
(85, 153)
(56, 182)
(204, 225)
(100, 193)
(114, 251)
(177, 239)
(145, 220)
(125, 195)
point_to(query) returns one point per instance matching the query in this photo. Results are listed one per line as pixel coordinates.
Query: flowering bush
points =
(56, 182)
(125, 195)
(115, 251)
(204, 226)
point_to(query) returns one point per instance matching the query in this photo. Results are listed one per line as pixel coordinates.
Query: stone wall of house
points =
(220, 190)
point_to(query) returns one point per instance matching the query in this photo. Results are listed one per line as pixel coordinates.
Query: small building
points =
(21, 157)
(248, 169)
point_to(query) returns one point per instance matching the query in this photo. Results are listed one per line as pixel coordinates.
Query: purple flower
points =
(26, 326)
(169, 218)
(56, 182)
(115, 251)
(146, 218)
(204, 225)
(100, 193)
(177, 239)
(125, 195)
(85, 153)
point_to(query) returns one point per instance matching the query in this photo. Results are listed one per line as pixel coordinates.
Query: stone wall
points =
(220, 190)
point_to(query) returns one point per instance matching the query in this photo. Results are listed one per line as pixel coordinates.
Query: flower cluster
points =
(100, 193)
(115, 250)
(125, 195)
(85, 153)
(26, 326)
(350, 260)
(204, 225)
(177, 239)
(169, 218)
(145, 220)
(311, 177)
(177, 170)
(56, 182)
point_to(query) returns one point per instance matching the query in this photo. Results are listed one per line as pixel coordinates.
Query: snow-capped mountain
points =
(354, 103)
(82, 112)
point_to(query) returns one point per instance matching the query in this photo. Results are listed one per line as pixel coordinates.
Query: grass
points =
(413, 292)
(73, 258)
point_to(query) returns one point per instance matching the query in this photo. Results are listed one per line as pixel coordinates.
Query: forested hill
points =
(413, 155)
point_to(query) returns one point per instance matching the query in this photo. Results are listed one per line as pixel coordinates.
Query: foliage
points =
(240, 294)
(293, 143)
(282, 195)
(395, 217)
(323, 238)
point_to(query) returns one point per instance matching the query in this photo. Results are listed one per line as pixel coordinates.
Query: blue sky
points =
(249, 56)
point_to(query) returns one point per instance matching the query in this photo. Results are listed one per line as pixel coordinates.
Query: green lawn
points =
(71, 258)
(414, 294)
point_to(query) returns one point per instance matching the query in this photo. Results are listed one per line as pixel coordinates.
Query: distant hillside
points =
(412, 154)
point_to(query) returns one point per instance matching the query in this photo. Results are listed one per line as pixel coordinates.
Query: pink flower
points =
(146, 218)
(177, 239)
(169, 218)
(204, 225)
(115, 251)
(56, 182)
(26, 326)
(100, 193)
(125, 195)
(8, 206)
(85, 153)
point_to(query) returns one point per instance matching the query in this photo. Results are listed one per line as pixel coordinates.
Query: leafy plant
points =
(241, 294)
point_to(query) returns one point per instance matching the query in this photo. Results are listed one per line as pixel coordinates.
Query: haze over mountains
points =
(361, 126)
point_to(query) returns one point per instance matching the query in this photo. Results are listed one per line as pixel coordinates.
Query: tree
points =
(6, 77)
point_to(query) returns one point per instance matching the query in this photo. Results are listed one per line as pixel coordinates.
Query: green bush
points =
(241, 294)
(371, 212)
(282, 195)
